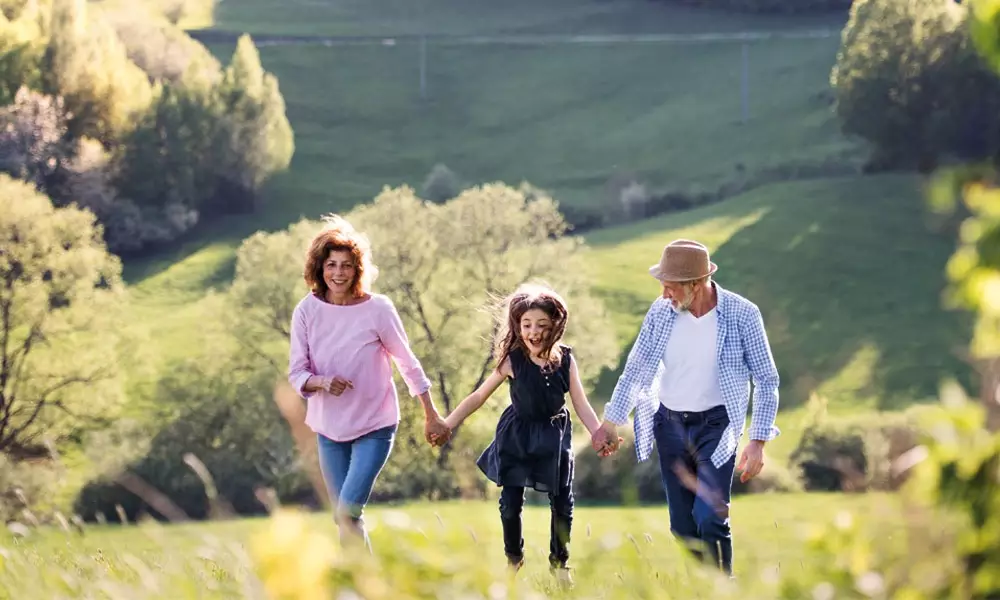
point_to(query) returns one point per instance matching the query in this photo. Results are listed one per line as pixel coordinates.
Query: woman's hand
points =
(337, 385)
(334, 385)
(436, 430)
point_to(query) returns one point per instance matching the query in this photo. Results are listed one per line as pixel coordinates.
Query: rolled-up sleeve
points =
(300, 367)
(396, 342)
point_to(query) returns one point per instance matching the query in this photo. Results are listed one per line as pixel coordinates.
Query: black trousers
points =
(511, 506)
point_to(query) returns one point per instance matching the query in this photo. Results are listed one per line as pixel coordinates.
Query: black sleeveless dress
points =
(533, 446)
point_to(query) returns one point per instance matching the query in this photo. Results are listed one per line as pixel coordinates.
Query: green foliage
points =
(260, 140)
(26, 489)
(974, 269)
(444, 276)
(86, 63)
(908, 80)
(181, 138)
(208, 144)
(947, 547)
(158, 47)
(216, 407)
(61, 321)
(33, 144)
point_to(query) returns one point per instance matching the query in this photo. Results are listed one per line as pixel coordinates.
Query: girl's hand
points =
(436, 430)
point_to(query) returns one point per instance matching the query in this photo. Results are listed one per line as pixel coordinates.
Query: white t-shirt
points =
(690, 379)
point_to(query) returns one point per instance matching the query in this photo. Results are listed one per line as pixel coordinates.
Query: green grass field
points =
(565, 118)
(616, 553)
(480, 17)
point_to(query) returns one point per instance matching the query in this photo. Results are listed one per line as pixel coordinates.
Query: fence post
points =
(745, 84)
(423, 67)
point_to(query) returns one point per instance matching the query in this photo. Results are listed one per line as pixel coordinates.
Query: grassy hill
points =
(406, 17)
(847, 272)
(846, 269)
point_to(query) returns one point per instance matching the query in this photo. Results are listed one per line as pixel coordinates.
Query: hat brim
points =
(659, 276)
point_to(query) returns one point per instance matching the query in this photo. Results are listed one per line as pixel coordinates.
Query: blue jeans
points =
(350, 470)
(699, 516)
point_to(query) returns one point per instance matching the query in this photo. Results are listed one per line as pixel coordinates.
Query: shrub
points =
(853, 454)
(617, 478)
(775, 478)
(27, 489)
(441, 185)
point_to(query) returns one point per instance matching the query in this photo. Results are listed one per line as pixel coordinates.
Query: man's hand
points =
(605, 439)
(436, 431)
(337, 385)
(752, 460)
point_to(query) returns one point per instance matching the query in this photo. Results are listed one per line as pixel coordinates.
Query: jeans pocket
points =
(719, 422)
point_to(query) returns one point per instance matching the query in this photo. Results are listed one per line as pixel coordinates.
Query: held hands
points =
(751, 461)
(605, 439)
(437, 431)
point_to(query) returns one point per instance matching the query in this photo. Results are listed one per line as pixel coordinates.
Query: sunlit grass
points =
(421, 551)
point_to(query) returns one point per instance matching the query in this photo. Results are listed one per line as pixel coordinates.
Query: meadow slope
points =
(846, 269)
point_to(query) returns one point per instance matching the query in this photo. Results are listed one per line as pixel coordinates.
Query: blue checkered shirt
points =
(743, 353)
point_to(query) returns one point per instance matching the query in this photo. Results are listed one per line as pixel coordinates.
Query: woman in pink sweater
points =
(344, 340)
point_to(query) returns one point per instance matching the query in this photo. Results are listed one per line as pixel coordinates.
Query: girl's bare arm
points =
(476, 399)
(578, 397)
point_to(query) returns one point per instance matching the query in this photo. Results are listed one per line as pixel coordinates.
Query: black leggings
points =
(511, 505)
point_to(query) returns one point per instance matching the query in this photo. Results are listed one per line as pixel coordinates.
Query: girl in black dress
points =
(533, 443)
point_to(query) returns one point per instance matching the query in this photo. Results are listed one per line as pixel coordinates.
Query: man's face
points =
(681, 294)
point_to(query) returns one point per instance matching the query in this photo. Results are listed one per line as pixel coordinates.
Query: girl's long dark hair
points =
(527, 297)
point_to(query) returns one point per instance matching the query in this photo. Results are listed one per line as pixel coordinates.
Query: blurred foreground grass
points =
(429, 550)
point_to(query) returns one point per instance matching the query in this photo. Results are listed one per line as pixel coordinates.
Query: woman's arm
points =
(397, 344)
(300, 374)
(476, 399)
(578, 398)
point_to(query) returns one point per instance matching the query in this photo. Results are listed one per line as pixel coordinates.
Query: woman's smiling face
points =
(339, 272)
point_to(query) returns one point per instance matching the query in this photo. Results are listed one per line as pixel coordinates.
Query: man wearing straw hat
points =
(688, 378)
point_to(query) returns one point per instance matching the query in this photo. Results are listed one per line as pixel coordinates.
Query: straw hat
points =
(683, 260)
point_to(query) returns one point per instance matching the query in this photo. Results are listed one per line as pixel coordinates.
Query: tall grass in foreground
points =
(429, 550)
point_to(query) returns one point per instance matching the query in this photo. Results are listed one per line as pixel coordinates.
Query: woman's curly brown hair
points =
(338, 235)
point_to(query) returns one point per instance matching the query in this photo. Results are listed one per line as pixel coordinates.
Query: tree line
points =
(118, 111)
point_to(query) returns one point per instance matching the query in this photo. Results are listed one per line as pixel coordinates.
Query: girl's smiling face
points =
(535, 328)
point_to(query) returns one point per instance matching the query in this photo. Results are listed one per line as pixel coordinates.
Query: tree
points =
(61, 311)
(908, 81)
(87, 65)
(444, 266)
(258, 140)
